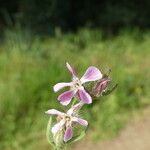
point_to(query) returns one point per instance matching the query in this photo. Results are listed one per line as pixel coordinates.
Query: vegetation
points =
(30, 65)
(71, 15)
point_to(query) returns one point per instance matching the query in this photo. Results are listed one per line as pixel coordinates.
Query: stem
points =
(74, 101)
(60, 148)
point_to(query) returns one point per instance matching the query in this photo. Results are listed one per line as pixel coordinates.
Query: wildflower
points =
(76, 86)
(66, 121)
(101, 86)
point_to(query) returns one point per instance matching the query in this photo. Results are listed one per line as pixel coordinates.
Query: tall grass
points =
(31, 65)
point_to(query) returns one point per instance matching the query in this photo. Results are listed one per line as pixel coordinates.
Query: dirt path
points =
(136, 136)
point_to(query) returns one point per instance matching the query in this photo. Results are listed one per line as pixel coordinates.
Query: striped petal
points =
(66, 97)
(80, 121)
(91, 74)
(54, 112)
(57, 127)
(75, 108)
(59, 86)
(84, 96)
(71, 70)
(68, 134)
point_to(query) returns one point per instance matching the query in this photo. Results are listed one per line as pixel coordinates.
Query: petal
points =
(75, 108)
(84, 96)
(80, 121)
(66, 97)
(68, 134)
(59, 86)
(57, 127)
(71, 70)
(54, 112)
(91, 74)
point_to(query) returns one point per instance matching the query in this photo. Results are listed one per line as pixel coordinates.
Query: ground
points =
(135, 136)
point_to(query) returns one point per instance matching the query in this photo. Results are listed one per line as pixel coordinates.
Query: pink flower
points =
(76, 86)
(67, 120)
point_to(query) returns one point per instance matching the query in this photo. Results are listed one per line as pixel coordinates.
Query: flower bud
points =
(101, 86)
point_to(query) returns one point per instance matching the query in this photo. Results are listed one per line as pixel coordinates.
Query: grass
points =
(31, 65)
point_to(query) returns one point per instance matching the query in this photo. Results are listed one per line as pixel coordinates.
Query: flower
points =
(66, 121)
(101, 86)
(76, 86)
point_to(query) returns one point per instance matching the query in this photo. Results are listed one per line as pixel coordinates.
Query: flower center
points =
(67, 119)
(76, 84)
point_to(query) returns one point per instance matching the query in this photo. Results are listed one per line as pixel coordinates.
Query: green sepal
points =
(49, 133)
(109, 90)
(58, 140)
(78, 137)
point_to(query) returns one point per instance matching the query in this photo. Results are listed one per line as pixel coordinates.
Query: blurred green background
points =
(39, 37)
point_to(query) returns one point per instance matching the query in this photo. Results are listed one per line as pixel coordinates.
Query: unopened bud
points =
(101, 86)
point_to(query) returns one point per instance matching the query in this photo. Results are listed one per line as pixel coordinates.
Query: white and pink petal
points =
(54, 112)
(91, 74)
(57, 127)
(68, 134)
(59, 86)
(84, 96)
(75, 108)
(71, 70)
(80, 121)
(66, 97)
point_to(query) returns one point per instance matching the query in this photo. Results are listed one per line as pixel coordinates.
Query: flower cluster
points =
(77, 90)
